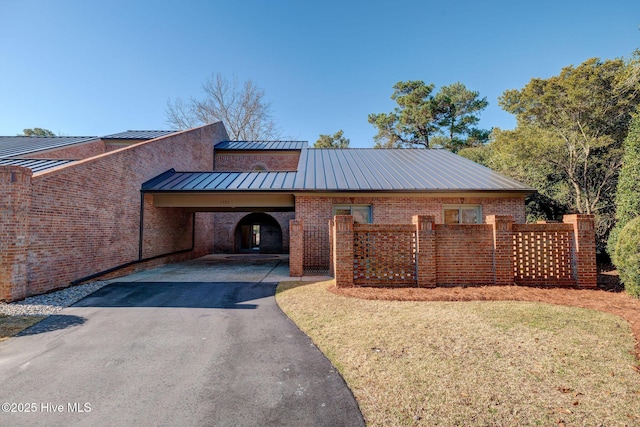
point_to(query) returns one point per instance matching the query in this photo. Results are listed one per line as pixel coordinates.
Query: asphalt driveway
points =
(201, 343)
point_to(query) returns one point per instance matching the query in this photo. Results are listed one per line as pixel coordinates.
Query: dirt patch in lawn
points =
(12, 325)
(609, 301)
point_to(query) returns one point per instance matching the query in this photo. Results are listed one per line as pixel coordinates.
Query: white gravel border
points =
(50, 303)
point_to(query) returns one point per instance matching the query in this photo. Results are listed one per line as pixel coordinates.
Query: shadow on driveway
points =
(234, 295)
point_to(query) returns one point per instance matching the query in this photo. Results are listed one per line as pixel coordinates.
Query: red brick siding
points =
(478, 254)
(316, 211)
(15, 200)
(384, 254)
(85, 217)
(71, 152)
(235, 161)
(225, 224)
(204, 233)
(585, 249)
(543, 254)
(296, 247)
(464, 254)
(166, 230)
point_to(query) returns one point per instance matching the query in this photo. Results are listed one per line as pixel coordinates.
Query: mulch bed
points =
(608, 297)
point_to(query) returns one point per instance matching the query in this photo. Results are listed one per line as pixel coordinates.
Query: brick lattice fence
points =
(499, 252)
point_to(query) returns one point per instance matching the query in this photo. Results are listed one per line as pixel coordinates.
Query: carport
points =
(255, 193)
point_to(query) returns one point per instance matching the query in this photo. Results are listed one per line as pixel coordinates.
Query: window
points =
(462, 214)
(361, 213)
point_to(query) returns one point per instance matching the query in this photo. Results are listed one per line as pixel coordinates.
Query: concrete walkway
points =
(201, 343)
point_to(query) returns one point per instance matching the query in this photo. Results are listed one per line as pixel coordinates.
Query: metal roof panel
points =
(36, 165)
(261, 145)
(139, 134)
(396, 170)
(14, 146)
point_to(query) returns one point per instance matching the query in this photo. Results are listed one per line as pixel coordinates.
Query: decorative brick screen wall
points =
(497, 253)
(384, 254)
(543, 253)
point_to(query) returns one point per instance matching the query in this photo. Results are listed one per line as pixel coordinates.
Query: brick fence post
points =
(584, 256)
(332, 248)
(425, 250)
(343, 250)
(502, 248)
(296, 248)
(15, 202)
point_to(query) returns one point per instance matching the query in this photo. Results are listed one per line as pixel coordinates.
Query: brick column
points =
(15, 202)
(425, 250)
(502, 248)
(343, 253)
(331, 249)
(584, 256)
(296, 248)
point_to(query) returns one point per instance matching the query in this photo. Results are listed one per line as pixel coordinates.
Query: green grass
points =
(473, 363)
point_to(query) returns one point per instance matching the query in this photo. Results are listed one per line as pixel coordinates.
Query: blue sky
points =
(85, 67)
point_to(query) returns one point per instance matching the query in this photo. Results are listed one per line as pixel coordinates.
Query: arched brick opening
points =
(258, 233)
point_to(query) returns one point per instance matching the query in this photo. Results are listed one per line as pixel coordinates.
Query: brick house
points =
(76, 208)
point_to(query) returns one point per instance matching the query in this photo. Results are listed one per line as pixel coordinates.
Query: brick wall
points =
(464, 254)
(482, 254)
(384, 254)
(316, 212)
(71, 152)
(233, 161)
(225, 223)
(85, 218)
(15, 200)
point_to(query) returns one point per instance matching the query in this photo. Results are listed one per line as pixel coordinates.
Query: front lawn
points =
(475, 362)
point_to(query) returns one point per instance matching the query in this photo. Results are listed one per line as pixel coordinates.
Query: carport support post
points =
(425, 250)
(343, 253)
(15, 203)
(296, 248)
(502, 248)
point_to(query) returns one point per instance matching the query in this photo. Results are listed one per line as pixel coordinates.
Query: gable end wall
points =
(85, 218)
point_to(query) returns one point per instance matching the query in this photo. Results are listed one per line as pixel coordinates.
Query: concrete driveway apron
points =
(201, 343)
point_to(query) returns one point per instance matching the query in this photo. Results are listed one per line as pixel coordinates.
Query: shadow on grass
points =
(286, 286)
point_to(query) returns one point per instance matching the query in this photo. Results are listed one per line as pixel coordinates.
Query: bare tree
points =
(242, 107)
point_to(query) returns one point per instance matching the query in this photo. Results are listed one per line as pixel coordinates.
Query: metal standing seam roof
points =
(139, 134)
(13, 146)
(261, 145)
(36, 165)
(172, 181)
(352, 169)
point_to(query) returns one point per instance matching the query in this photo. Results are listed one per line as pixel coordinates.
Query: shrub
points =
(627, 194)
(627, 257)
